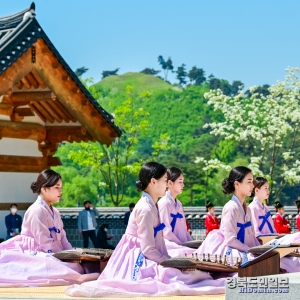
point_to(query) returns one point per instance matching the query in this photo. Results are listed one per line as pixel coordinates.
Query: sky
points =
(253, 41)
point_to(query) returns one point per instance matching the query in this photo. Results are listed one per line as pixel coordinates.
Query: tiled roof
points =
(18, 32)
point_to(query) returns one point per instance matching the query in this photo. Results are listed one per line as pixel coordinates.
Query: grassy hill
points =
(141, 82)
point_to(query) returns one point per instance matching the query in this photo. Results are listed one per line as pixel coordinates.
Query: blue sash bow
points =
(159, 228)
(53, 229)
(175, 217)
(265, 220)
(241, 233)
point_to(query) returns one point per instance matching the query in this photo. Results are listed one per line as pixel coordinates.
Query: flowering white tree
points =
(210, 166)
(267, 125)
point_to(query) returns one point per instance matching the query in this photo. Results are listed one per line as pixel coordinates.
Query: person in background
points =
(188, 227)
(13, 222)
(281, 224)
(298, 216)
(102, 238)
(87, 224)
(127, 215)
(211, 221)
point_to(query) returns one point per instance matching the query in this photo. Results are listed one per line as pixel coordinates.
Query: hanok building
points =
(42, 103)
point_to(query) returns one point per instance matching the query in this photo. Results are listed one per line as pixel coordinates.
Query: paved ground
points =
(57, 292)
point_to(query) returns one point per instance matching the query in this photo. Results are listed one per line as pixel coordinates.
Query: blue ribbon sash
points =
(138, 264)
(53, 229)
(241, 233)
(175, 217)
(159, 228)
(264, 221)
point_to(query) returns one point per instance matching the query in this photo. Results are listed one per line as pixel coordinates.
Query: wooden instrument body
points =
(195, 244)
(283, 250)
(84, 255)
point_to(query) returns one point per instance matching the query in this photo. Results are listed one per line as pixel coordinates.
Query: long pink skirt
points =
(121, 277)
(22, 265)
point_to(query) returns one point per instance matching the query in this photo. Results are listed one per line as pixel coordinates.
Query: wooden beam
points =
(32, 80)
(51, 111)
(65, 133)
(22, 130)
(44, 112)
(19, 85)
(32, 96)
(38, 79)
(24, 111)
(58, 111)
(65, 111)
(26, 83)
(6, 109)
(15, 72)
(9, 163)
(21, 205)
(38, 113)
(64, 90)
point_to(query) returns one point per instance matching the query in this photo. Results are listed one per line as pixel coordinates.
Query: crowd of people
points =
(156, 230)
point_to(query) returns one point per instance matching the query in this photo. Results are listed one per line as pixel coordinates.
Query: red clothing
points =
(298, 221)
(188, 226)
(211, 223)
(281, 224)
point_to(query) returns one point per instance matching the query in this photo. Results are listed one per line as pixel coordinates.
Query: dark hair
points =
(148, 171)
(258, 182)
(46, 178)
(236, 174)
(209, 205)
(131, 205)
(13, 204)
(277, 205)
(87, 201)
(173, 173)
(104, 226)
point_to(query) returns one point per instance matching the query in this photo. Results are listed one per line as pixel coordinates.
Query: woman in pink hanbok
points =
(236, 234)
(134, 268)
(263, 223)
(261, 215)
(26, 259)
(172, 215)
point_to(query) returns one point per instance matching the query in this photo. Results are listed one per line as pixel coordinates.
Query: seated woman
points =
(282, 225)
(298, 214)
(134, 268)
(261, 216)
(211, 221)
(236, 234)
(102, 238)
(172, 215)
(26, 259)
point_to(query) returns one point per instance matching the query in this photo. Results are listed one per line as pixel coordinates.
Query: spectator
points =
(13, 222)
(87, 224)
(188, 227)
(127, 215)
(102, 238)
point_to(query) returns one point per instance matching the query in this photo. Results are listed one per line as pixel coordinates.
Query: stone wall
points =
(117, 228)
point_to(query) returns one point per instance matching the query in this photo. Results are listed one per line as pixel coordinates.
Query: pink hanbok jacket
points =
(46, 227)
(261, 218)
(172, 215)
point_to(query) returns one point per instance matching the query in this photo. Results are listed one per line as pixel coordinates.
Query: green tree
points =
(114, 163)
(110, 73)
(150, 71)
(181, 74)
(236, 86)
(266, 125)
(165, 65)
(80, 71)
(196, 76)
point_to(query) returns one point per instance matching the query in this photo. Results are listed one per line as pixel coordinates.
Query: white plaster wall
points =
(14, 186)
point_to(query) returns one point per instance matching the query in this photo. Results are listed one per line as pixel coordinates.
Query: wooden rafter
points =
(51, 111)
(52, 73)
(15, 72)
(10, 163)
(38, 79)
(43, 111)
(32, 80)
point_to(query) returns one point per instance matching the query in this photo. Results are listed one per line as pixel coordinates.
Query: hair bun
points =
(33, 187)
(228, 187)
(139, 186)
